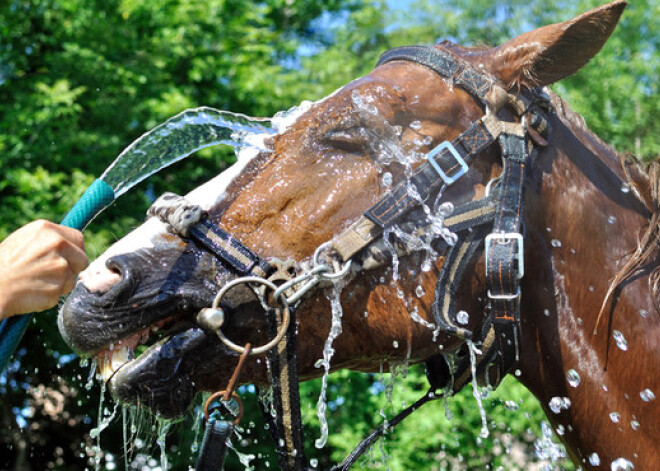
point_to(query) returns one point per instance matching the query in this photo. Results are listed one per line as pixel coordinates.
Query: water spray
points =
(166, 144)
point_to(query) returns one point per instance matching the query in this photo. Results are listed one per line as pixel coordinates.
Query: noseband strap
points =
(190, 221)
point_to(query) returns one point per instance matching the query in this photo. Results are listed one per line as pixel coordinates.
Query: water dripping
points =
(573, 378)
(328, 352)
(511, 405)
(621, 464)
(620, 340)
(484, 433)
(163, 427)
(647, 395)
(545, 448)
(557, 404)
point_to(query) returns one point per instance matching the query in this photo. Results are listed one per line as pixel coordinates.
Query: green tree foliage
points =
(80, 80)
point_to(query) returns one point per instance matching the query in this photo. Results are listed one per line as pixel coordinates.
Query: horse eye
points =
(353, 139)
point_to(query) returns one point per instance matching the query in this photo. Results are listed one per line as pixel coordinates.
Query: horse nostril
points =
(121, 270)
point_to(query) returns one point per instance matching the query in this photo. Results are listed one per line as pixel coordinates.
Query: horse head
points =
(290, 205)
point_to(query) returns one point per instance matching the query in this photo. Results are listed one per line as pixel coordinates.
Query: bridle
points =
(494, 221)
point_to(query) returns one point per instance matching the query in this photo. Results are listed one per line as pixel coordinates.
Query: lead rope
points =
(217, 431)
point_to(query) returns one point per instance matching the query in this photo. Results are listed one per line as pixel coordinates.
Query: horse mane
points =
(644, 182)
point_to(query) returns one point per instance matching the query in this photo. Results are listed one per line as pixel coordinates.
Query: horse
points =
(589, 322)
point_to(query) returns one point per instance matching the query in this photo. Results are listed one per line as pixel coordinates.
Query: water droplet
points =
(419, 291)
(647, 395)
(625, 188)
(615, 417)
(387, 179)
(462, 317)
(591, 289)
(428, 140)
(634, 425)
(555, 243)
(620, 340)
(594, 459)
(561, 430)
(621, 464)
(416, 125)
(573, 378)
(643, 313)
(511, 405)
(611, 219)
(555, 405)
(314, 462)
(546, 312)
(395, 344)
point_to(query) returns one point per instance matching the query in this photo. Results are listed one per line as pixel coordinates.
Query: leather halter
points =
(495, 221)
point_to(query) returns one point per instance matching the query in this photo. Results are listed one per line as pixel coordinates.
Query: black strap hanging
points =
(286, 428)
(504, 250)
(213, 451)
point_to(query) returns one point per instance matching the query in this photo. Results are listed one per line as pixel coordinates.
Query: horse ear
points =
(553, 52)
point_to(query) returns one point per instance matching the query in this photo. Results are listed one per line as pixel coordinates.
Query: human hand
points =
(38, 263)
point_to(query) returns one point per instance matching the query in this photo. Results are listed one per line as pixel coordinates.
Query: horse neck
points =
(580, 226)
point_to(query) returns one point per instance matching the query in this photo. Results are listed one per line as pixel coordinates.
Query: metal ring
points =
(286, 317)
(329, 276)
(214, 396)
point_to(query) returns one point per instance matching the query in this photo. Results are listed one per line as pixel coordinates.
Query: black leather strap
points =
(426, 179)
(444, 64)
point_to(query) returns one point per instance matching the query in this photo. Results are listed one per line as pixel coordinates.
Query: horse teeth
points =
(119, 357)
(108, 365)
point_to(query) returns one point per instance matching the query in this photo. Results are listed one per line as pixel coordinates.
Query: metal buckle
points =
(505, 297)
(506, 236)
(452, 150)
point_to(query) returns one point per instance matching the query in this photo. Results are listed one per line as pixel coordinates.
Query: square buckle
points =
(504, 237)
(452, 150)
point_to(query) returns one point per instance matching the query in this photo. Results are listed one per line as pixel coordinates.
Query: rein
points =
(494, 221)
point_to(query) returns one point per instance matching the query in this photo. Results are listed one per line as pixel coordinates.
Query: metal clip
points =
(505, 237)
(452, 150)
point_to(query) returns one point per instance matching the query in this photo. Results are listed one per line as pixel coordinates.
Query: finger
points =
(75, 257)
(72, 235)
(69, 282)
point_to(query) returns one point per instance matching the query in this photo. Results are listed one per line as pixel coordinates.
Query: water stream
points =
(328, 352)
(176, 139)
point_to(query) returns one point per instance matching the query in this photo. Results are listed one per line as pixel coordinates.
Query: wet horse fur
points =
(320, 176)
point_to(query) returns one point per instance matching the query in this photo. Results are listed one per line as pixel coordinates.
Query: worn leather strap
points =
(461, 73)
(190, 221)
